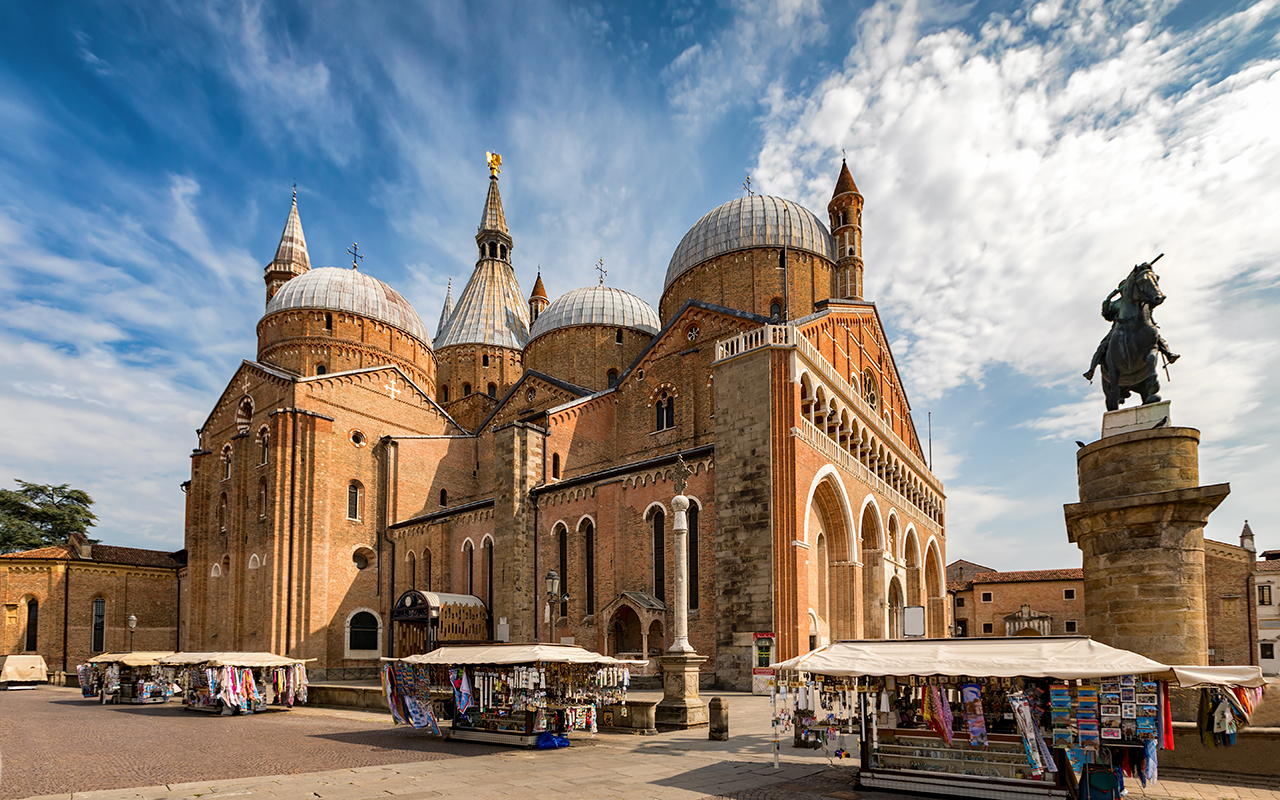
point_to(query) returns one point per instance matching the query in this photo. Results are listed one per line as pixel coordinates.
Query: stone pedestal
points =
(1137, 418)
(1140, 528)
(680, 708)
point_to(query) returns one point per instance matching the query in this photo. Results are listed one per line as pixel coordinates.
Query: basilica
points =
(358, 459)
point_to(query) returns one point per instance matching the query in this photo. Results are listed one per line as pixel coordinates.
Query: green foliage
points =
(40, 515)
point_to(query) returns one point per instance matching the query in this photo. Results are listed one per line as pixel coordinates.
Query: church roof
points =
(446, 310)
(352, 291)
(291, 254)
(106, 554)
(754, 221)
(491, 310)
(845, 182)
(597, 305)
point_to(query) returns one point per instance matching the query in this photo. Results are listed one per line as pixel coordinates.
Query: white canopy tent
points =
(232, 659)
(140, 658)
(513, 654)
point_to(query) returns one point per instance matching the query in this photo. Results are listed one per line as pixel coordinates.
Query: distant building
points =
(1046, 602)
(93, 589)
(1266, 590)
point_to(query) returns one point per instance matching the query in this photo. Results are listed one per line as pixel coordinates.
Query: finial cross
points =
(244, 386)
(746, 185)
(680, 474)
(356, 258)
(600, 268)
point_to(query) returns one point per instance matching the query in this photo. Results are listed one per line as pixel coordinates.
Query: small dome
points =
(597, 305)
(350, 290)
(755, 221)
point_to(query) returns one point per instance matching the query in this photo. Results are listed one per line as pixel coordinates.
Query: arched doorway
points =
(624, 633)
(873, 591)
(833, 578)
(657, 645)
(935, 601)
(911, 554)
(896, 604)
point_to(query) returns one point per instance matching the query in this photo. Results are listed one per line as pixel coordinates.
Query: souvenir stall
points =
(239, 683)
(998, 718)
(1228, 696)
(504, 693)
(128, 678)
(22, 671)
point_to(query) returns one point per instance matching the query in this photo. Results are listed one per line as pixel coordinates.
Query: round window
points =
(358, 438)
(361, 559)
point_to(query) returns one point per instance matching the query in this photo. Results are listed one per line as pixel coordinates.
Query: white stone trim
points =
(347, 652)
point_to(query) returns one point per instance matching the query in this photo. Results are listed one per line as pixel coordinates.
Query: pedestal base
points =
(1136, 418)
(680, 708)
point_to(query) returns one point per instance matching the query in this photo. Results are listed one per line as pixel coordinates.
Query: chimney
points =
(83, 549)
(1246, 538)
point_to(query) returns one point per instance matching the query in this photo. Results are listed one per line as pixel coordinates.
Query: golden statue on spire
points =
(495, 163)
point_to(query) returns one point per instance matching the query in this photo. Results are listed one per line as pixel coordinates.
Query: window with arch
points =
(466, 390)
(493, 249)
(33, 624)
(321, 369)
(485, 359)
(254, 562)
(493, 390)
(264, 445)
(664, 412)
(562, 545)
(444, 497)
(775, 311)
(444, 392)
(502, 252)
(99, 635)
(660, 554)
(589, 558)
(613, 378)
(693, 556)
(469, 559)
(555, 465)
(244, 415)
(262, 499)
(363, 635)
(870, 388)
(328, 322)
(226, 463)
(353, 500)
(226, 565)
(411, 567)
(487, 551)
(617, 336)
(215, 571)
(222, 514)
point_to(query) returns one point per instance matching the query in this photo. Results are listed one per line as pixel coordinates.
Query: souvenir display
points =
(244, 690)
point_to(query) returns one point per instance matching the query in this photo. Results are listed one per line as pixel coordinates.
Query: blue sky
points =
(1016, 158)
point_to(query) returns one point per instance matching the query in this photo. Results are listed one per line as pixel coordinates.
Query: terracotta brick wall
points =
(751, 281)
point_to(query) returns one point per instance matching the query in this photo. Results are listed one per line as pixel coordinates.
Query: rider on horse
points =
(1111, 313)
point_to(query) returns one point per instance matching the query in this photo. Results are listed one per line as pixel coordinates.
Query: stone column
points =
(1140, 528)
(681, 708)
(680, 530)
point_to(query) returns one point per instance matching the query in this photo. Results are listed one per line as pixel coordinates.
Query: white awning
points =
(1191, 676)
(23, 668)
(514, 654)
(1027, 656)
(233, 659)
(135, 659)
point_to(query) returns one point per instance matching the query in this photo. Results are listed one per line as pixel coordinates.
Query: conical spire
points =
(845, 182)
(538, 289)
(494, 219)
(291, 254)
(447, 311)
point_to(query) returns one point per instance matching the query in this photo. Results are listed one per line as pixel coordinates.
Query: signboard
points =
(762, 673)
(913, 621)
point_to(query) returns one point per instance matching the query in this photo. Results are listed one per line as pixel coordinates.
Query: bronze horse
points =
(1128, 353)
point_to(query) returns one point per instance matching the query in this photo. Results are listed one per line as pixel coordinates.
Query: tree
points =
(40, 515)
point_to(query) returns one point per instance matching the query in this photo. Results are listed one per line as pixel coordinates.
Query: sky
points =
(1016, 159)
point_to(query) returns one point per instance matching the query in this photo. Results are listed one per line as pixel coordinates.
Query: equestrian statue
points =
(1128, 353)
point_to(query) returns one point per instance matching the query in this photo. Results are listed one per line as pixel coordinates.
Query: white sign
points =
(913, 621)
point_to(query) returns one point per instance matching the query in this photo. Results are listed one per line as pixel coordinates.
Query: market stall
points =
(997, 718)
(504, 693)
(22, 672)
(128, 678)
(239, 683)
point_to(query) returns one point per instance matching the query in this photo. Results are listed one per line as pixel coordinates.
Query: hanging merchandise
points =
(240, 683)
(971, 708)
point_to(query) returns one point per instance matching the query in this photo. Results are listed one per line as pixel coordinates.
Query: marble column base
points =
(680, 708)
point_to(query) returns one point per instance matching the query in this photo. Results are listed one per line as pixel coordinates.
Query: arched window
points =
(215, 571)
(444, 392)
(613, 378)
(555, 465)
(226, 463)
(328, 322)
(485, 359)
(99, 625)
(264, 445)
(262, 499)
(660, 555)
(493, 249)
(589, 557)
(664, 412)
(487, 550)
(226, 565)
(444, 497)
(254, 563)
(222, 514)
(775, 311)
(493, 390)
(412, 567)
(671, 412)
(502, 251)
(363, 635)
(466, 390)
(353, 500)
(321, 369)
(870, 388)
(244, 415)
(469, 558)
(617, 337)
(693, 556)
(562, 537)
(33, 624)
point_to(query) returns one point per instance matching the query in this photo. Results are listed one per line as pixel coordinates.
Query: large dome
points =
(597, 305)
(755, 221)
(350, 290)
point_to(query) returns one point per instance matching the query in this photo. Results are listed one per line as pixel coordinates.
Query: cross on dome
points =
(354, 250)
(599, 268)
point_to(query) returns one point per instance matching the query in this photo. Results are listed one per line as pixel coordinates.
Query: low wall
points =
(1256, 752)
(370, 697)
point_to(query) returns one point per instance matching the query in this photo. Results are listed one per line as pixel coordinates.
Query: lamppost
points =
(553, 597)
(133, 623)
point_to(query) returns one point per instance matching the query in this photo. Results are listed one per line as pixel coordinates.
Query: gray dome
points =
(350, 290)
(597, 305)
(755, 221)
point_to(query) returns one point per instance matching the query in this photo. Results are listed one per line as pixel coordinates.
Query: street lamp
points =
(133, 623)
(553, 597)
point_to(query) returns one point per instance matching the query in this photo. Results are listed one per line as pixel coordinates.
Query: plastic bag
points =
(550, 741)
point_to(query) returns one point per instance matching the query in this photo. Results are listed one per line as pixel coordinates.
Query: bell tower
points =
(291, 255)
(845, 209)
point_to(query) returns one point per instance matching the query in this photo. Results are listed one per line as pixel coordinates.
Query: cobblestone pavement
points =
(53, 743)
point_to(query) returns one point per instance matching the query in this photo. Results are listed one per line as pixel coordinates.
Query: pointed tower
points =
(845, 209)
(537, 300)
(481, 348)
(446, 311)
(291, 255)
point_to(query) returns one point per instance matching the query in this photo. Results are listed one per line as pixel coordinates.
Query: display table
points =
(22, 672)
(918, 760)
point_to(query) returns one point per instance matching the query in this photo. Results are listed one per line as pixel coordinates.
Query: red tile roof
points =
(104, 554)
(1267, 566)
(1030, 575)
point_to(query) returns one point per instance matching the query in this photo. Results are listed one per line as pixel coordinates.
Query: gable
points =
(263, 387)
(534, 393)
(383, 392)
